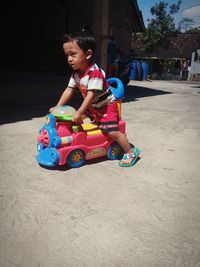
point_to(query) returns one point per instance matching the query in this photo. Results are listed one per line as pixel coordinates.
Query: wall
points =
(194, 73)
(32, 30)
(121, 18)
(31, 35)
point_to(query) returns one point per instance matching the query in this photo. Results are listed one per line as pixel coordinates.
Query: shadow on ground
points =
(38, 106)
(16, 113)
(65, 167)
(132, 93)
(196, 86)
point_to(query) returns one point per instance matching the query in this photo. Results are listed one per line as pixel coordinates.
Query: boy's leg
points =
(122, 140)
(109, 124)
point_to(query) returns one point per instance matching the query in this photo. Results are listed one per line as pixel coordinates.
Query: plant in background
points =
(160, 30)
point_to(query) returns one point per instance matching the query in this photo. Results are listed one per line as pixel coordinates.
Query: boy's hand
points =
(52, 109)
(78, 117)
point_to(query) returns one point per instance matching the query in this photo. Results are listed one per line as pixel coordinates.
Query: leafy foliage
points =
(161, 28)
(193, 30)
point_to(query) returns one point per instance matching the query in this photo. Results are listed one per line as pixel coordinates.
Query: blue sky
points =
(188, 9)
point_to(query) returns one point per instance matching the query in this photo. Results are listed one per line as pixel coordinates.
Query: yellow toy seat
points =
(91, 128)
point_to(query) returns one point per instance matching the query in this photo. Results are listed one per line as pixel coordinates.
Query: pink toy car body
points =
(61, 142)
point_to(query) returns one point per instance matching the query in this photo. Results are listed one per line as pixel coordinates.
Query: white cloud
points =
(192, 12)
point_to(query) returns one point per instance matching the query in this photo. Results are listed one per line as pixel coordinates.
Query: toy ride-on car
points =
(62, 142)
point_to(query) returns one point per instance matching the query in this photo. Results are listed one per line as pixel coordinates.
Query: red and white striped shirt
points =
(93, 79)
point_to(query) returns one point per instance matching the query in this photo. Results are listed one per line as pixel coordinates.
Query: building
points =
(32, 30)
(167, 63)
(194, 71)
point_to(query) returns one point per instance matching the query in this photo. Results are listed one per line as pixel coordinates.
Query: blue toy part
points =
(40, 147)
(57, 141)
(118, 91)
(115, 151)
(50, 120)
(50, 127)
(48, 157)
(76, 158)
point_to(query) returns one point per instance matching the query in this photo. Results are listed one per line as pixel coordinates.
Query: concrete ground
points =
(101, 215)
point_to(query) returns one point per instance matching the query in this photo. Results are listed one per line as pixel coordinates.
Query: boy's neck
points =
(81, 72)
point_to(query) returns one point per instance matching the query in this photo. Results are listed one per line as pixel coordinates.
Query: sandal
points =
(134, 156)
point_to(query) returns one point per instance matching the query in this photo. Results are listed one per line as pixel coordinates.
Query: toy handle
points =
(118, 91)
(64, 117)
(69, 118)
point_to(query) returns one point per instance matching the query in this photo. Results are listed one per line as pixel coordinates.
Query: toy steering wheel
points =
(64, 113)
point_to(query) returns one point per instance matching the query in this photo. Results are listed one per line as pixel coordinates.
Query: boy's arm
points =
(85, 105)
(65, 98)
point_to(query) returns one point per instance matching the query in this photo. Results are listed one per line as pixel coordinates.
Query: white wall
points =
(194, 73)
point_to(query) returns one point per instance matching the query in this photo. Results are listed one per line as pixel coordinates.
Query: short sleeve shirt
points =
(93, 79)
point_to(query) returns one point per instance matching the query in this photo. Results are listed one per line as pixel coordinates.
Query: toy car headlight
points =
(40, 146)
(47, 120)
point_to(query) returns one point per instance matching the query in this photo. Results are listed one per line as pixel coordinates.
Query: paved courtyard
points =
(101, 215)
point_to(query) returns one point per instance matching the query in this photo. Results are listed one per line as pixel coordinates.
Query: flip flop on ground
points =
(133, 156)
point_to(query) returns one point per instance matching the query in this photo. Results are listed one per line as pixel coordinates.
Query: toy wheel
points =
(76, 158)
(115, 151)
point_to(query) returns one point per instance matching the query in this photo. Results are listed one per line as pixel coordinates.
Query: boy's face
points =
(76, 57)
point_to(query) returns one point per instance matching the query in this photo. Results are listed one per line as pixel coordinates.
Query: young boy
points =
(98, 101)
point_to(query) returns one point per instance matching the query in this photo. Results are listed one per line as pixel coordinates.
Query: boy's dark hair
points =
(84, 39)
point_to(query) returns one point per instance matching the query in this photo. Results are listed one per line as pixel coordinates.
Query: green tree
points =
(161, 28)
(193, 30)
